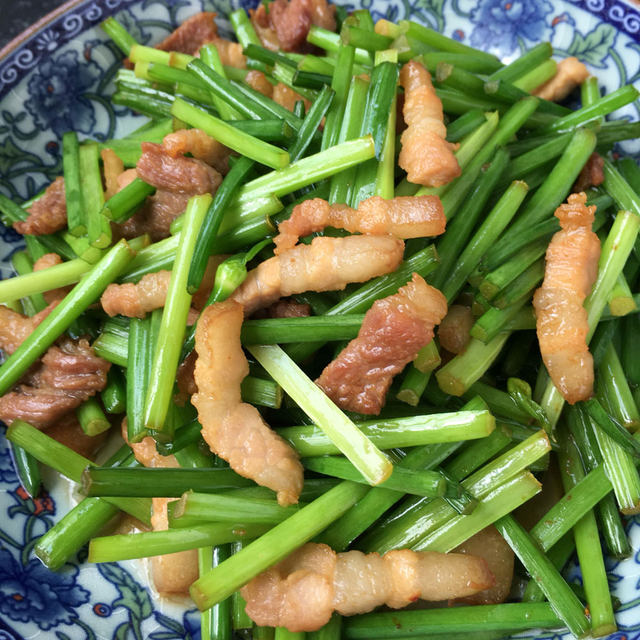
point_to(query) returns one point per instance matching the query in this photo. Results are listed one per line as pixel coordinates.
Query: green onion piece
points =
(331, 42)
(215, 623)
(524, 63)
(68, 463)
(245, 33)
(378, 500)
(76, 216)
(422, 483)
(213, 218)
(409, 524)
(114, 395)
(520, 391)
(92, 418)
(441, 42)
(607, 512)
(122, 205)
(459, 230)
(310, 441)
(35, 282)
(75, 529)
(201, 507)
(614, 386)
(27, 469)
(141, 545)
(85, 293)
(537, 76)
(309, 329)
(139, 357)
(342, 78)
(561, 597)
(210, 56)
(274, 545)
(342, 184)
(310, 169)
(501, 501)
(98, 227)
(263, 393)
(367, 458)
(330, 631)
(174, 318)
(462, 371)
(311, 123)
(585, 531)
(161, 482)
(620, 299)
(555, 188)
(444, 623)
(121, 37)
(228, 135)
(602, 107)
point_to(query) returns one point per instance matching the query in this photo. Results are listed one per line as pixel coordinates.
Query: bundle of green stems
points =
(462, 441)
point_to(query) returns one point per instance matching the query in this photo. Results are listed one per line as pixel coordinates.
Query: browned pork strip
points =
(285, 24)
(176, 178)
(172, 572)
(392, 333)
(195, 31)
(234, 430)
(403, 217)
(561, 319)
(302, 591)
(70, 374)
(570, 73)
(44, 262)
(16, 328)
(48, 214)
(592, 174)
(324, 265)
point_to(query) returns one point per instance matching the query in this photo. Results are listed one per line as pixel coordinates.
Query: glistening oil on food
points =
(327, 315)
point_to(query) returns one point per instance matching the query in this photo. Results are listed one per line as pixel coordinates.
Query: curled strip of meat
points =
(426, 156)
(136, 300)
(286, 23)
(392, 333)
(195, 31)
(454, 331)
(70, 374)
(403, 217)
(286, 97)
(174, 173)
(200, 145)
(302, 591)
(112, 167)
(172, 572)
(491, 546)
(561, 320)
(48, 214)
(592, 174)
(44, 262)
(570, 73)
(16, 328)
(258, 81)
(324, 265)
(233, 429)
(176, 179)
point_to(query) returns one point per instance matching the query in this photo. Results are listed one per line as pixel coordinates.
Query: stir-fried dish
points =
(331, 300)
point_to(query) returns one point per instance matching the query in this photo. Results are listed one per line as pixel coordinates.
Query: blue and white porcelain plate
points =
(58, 76)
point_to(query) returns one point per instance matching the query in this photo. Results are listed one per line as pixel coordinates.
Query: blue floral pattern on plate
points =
(60, 78)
